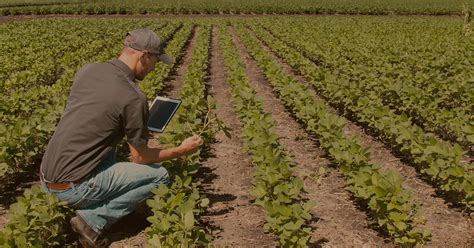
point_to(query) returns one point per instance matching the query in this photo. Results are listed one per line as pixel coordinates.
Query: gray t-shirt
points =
(104, 106)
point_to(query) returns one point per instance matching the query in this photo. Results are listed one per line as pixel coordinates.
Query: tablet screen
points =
(161, 111)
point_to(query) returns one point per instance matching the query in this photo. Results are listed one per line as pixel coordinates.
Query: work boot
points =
(87, 237)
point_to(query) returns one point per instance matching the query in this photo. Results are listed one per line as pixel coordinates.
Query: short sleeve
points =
(135, 118)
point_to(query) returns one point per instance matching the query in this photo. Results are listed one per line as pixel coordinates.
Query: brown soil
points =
(339, 222)
(450, 228)
(235, 220)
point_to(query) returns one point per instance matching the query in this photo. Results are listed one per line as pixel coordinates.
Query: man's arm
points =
(147, 155)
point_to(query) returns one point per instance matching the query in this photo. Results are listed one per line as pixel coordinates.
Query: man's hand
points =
(191, 144)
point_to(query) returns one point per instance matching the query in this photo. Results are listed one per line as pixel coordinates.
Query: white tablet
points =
(161, 111)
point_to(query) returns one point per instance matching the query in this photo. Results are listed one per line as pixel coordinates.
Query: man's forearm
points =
(147, 155)
(156, 155)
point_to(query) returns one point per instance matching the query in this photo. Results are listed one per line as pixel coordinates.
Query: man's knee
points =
(162, 176)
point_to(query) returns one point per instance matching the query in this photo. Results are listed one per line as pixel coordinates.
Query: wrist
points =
(180, 151)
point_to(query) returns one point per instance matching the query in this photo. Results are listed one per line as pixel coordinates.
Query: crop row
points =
(418, 50)
(40, 61)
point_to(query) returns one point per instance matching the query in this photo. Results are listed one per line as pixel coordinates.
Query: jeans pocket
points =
(89, 192)
(71, 196)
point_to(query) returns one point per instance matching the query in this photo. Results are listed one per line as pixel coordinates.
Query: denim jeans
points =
(112, 191)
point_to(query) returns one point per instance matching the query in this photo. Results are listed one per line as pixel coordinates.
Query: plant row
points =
(427, 52)
(36, 219)
(386, 198)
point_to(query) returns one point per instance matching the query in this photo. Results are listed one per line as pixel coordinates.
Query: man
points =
(105, 105)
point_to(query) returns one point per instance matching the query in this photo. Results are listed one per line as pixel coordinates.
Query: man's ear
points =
(142, 58)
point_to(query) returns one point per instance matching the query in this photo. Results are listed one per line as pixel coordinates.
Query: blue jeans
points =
(112, 191)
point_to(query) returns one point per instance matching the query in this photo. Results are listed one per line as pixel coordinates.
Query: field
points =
(321, 130)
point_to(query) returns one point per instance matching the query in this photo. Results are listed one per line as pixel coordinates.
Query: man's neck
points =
(130, 62)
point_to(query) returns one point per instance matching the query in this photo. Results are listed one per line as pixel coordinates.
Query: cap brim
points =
(166, 59)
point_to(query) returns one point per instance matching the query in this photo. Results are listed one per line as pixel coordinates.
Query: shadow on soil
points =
(14, 186)
(135, 223)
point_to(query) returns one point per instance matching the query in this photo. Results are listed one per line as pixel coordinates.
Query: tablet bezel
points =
(167, 99)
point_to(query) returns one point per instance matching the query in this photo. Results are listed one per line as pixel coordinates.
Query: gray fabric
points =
(104, 106)
(145, 39)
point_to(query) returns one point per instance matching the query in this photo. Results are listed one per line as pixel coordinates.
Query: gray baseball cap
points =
(145, 39)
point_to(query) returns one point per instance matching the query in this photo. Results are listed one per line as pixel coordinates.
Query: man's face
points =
(147, 62)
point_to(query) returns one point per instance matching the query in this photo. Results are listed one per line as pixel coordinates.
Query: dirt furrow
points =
(339, 223)
(450, 228)
(136, 222)
(235, 220)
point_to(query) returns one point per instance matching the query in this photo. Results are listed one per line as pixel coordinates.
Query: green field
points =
(356, 86)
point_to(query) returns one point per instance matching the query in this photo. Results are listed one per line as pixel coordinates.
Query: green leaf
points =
(3, 169)
(204, 202)
(189, 220)
(400, 225)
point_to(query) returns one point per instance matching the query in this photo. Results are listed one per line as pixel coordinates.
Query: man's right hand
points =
(191, 144)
